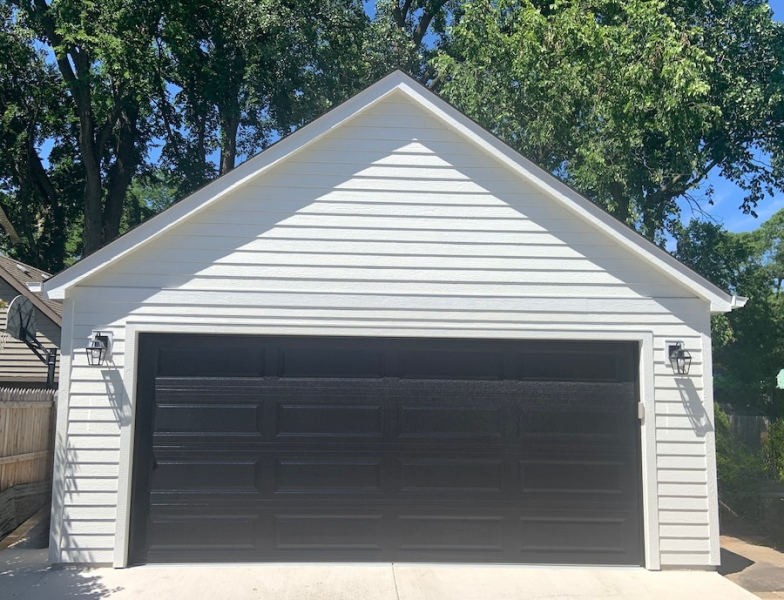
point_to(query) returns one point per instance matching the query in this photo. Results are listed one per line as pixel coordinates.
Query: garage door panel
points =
(451, 533)
(327, 531)
(313, 462)
(559, 477)
(337, 475)
(567, 535)
(451, 365)
(208, 419)
(184, 356)
(559, 422)
(449, 420)
(298, 359)
(220, 476)
(348, 419)
(575, 366)
(447, 476)
(203, 530)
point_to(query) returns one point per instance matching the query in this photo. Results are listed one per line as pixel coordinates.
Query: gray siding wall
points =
(18, 364)
(389, 225)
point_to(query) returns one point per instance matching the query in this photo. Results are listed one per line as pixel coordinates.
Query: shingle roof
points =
(18, 275)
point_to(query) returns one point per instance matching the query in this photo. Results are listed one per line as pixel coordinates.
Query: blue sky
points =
(727, 197)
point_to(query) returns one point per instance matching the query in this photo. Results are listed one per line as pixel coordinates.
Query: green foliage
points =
(773, 450)
(740, 472)
(748, 344)
(37, 204)
(631, 103)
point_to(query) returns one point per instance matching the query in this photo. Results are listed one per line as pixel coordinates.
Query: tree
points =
(634, 104)
(38, 201)
(748, 344)
(127, 77)
(102, 52)
(243, 74)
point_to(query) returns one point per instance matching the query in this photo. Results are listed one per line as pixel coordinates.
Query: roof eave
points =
(34, 298)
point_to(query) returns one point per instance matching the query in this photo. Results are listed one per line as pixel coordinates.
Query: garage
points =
(327, 449)
(387, 337)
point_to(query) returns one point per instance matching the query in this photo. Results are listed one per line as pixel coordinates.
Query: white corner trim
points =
(61, 434)
(710, 445)
(645, 339)
(648, 453)
(125, 475)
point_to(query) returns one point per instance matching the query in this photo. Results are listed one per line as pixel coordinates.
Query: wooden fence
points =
(26, 442)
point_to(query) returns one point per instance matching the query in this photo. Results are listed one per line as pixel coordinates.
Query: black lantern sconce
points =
(99, 350)
(680, 358)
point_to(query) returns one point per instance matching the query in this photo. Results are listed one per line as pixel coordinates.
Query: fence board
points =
(26, 442)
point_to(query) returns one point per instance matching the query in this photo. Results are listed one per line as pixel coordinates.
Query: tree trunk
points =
(120, 174)
(229, 127)
(8, 227)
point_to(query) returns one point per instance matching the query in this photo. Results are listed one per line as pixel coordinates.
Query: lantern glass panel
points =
(95, 353)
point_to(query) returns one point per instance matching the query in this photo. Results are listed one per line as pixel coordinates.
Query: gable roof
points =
(396, 82)
(17, 274)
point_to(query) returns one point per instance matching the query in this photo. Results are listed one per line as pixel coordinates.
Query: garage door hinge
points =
(640, 411)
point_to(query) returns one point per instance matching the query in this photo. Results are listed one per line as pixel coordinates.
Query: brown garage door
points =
(297, 449)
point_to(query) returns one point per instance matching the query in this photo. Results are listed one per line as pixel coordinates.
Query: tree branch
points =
(401, 14)
(8, 227)
(424, 22)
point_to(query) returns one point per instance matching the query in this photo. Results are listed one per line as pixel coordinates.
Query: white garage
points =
(388, 337)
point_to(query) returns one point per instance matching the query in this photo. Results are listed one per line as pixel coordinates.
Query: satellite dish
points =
(20, 320)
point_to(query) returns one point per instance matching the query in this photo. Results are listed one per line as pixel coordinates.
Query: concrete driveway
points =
(24, 575)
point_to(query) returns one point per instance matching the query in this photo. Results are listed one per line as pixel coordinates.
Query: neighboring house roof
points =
(399, 83)
(18, 275)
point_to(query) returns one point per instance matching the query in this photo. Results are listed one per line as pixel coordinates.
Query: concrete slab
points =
(24, 575)
(453, 582)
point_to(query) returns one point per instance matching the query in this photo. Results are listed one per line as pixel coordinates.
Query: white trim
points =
(646, 385)
(719, 300)
(710, 444)
(650, 480)
(122, 524)
(61, 433)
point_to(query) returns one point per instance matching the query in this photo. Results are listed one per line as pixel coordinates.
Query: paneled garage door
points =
(299, 449)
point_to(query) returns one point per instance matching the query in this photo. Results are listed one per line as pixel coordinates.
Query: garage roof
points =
(395, 83)
(18, 275)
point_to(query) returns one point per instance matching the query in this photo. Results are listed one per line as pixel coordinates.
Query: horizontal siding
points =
(685, 558)
(17, 361)
(391, 226)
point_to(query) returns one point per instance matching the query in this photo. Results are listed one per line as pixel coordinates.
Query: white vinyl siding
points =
(390, 225)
